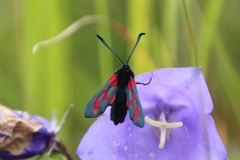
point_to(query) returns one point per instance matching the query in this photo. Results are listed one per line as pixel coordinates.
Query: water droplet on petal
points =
(151, 154)
(125, 148)
(116, 144)
(136, 155)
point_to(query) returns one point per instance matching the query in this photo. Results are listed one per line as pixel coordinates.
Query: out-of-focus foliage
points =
(178, 33)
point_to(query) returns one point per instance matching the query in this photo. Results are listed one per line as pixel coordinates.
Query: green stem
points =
(191, 34)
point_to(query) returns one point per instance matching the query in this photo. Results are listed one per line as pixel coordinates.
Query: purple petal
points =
(181, 94)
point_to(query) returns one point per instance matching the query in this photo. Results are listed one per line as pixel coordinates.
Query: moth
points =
(120, 93)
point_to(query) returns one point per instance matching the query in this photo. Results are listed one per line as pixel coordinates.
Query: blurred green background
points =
(178, 34)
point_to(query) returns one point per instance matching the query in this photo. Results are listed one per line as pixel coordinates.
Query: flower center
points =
(164, 127)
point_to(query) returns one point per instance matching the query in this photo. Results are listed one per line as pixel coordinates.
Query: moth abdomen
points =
(119, 108)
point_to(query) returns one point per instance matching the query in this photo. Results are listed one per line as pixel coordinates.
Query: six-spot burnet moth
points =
(120, 93)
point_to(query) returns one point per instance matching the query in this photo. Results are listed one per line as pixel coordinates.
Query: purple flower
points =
(23, 136)
(177, 107)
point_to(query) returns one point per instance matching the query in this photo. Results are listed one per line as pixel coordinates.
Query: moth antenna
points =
(105, 43)
(138, 39)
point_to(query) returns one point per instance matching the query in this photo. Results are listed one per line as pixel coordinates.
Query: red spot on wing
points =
(136, 113)
(113, 99)
(132, 101)
(105, 94)
(131, 84)
(96, 103)
(113, 81)
(112, 78)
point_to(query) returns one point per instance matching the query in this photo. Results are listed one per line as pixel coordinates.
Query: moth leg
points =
(145, 83)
